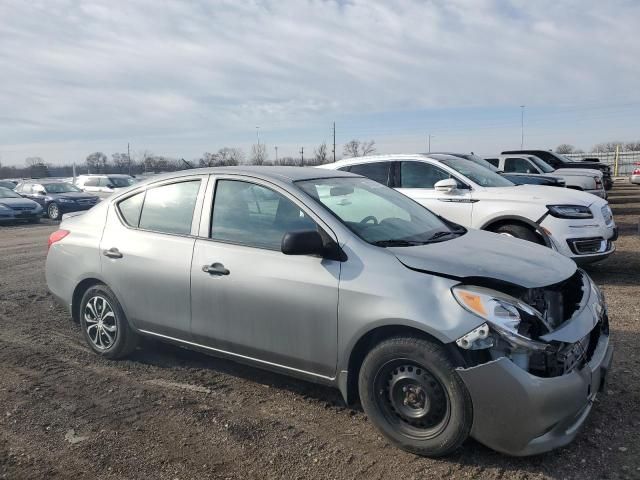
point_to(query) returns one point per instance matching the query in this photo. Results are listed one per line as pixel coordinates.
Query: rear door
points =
(146, 253)
(417, 181)
(262, 304)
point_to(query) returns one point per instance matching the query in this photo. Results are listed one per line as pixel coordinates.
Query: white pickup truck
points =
(584, 179)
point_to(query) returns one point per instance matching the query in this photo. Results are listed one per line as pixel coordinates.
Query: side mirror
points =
(446, 186)
(307, 242)
(110, 186)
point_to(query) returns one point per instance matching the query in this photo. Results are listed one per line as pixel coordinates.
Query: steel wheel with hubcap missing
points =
(410, 390)
(104, 324)
(412, 399)
(100, 321)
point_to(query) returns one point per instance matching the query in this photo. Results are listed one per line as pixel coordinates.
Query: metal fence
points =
(627, 161)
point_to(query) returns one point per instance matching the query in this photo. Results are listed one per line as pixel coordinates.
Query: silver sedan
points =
(440, 332)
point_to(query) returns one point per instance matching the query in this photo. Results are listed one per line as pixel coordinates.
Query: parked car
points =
(576, 224)
(104, 185)
(13, 207)
(441, 332)
(7, 184)
(635, 175)
(587, 180)
(56, 197)
(517, 178)
(558, 161)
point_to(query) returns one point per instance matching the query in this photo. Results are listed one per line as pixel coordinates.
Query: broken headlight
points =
(503, 313)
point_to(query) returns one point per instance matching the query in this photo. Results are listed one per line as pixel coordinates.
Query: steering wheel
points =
(367, 219)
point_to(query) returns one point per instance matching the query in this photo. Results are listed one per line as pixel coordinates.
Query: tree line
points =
(148, 162)
(605, 147)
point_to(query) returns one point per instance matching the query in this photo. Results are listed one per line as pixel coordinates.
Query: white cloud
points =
(184, 75)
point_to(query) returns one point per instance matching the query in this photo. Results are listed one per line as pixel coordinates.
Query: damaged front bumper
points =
(518, 413)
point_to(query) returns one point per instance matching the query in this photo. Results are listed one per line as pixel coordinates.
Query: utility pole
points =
(429, 142)
(521, 127)
(129, 158)
(302, 156)
(334, 142)
(276, 153)
(258, 135)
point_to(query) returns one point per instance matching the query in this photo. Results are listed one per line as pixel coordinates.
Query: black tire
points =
(519, 231)
(114, 338)
(437, 419)
(53, 211)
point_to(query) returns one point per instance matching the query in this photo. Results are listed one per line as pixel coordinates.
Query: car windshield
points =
(478, 174)
(120, 182)
(378, 214)
(6, 193)
(60, 188)
(544, 166)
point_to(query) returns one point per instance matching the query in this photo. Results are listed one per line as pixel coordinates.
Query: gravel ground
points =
(169, 413)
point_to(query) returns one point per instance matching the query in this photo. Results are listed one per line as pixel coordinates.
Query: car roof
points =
(396, 156)
(283, 174)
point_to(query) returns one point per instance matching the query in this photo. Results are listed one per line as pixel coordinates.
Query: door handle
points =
(215, 269)
(112, 253)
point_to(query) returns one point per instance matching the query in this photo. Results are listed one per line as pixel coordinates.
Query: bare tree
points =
(96, 162)
(632, 146)
(605, 147)
(224, 157)
(320, 154)
(258, 154)
(120, 161)
(356, 148)
(33, 161)
(565, 148)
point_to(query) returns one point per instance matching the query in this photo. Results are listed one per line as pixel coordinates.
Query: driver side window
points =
(250, 214)
(518, 165)
(420, 175)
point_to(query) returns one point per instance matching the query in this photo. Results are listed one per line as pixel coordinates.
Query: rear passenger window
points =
(130, 209)
(493, 161)
(91, 182)
(169, 208)
(378, 171)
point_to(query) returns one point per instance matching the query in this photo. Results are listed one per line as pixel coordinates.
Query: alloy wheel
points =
(100, 322)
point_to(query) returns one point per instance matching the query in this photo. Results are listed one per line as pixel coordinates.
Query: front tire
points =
(410, 390)
(104, 325)
(53, 211)
(519, 231)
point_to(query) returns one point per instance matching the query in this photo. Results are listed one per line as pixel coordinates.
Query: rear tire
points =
(410, 390)
(53, 211)
(104, 325)
(519, 231)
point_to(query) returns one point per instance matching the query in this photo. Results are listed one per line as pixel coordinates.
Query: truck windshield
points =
(60, 188)
(378, 214)
(542, 165)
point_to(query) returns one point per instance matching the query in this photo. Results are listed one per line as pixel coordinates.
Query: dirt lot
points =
(170, 413)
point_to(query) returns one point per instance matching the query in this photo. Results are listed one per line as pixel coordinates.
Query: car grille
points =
(586, 246)
(87, 201)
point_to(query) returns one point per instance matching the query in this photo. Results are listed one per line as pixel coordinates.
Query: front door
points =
(417, 180)
(251, 300)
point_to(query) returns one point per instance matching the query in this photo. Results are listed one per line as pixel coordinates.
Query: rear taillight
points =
(56, 237)
(636, 171)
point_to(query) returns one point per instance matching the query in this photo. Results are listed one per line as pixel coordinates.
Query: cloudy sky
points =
(180, 78)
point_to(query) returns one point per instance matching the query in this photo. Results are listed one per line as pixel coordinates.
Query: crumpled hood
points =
(489, 255)
(18, 203)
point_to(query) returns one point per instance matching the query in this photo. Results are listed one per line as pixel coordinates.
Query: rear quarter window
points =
(130, 209)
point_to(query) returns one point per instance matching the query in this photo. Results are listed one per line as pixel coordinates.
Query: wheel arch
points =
(79, 292)
(497, 222)
(348, 378)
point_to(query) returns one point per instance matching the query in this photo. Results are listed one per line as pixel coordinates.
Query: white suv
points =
(576, 224)
(585, 179)
(104, 185)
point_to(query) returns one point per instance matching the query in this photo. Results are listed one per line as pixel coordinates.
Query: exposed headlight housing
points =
(570, 211)
(503, 313)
